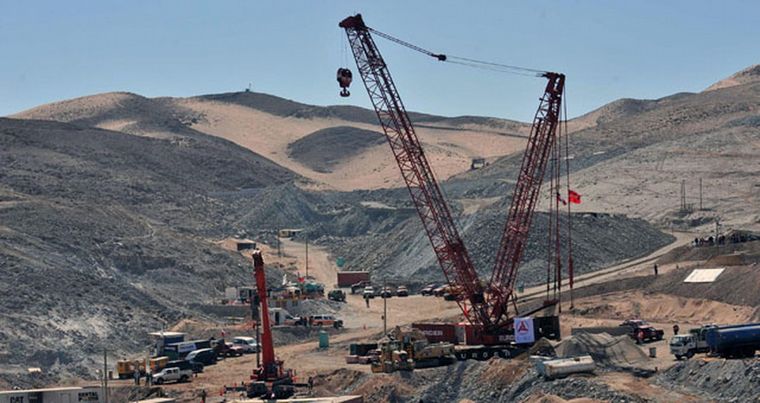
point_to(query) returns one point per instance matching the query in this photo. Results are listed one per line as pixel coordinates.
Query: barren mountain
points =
(639, 152)
(749, 75)
(272, 126)
(106, 236)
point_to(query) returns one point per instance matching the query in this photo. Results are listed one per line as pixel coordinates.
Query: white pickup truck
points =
(172, 374)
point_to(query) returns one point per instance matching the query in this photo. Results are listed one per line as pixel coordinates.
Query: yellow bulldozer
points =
(405, 350)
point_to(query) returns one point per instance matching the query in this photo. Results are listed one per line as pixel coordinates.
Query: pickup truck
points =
(337, 295)
(359, 286)
(172, 374)
(643, 331)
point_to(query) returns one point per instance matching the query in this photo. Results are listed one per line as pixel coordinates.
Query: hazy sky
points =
(54, 50)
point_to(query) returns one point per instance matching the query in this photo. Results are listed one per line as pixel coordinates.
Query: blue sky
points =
(54, 50)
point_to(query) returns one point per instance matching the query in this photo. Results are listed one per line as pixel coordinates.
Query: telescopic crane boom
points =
(271, 369)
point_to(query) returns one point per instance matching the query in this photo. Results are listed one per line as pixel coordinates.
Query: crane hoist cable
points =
(465, 61)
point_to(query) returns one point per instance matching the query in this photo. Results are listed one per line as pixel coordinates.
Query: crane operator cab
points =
(344, 80)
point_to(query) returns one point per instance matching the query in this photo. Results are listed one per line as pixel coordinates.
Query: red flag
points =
(573, 197)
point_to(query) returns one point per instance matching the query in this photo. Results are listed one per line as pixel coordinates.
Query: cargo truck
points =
(686, 345)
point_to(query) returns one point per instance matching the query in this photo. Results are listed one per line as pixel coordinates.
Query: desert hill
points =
(636, 155)
(749, 75)
(104, 234)
(271, 126)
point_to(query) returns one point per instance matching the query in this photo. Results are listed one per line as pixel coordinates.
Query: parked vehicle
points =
(194, 367)
(428, 289)
(173, 374)
(205, 356)
(361, 285)
(686, 345)
(369, 292)
(451, 296)
(337, 295)
(387, 292)
(438, 292)
(641, 330)
(234, 350)
(291, 320)
(402, 291)
(325, 320)
(736, 341)
(247, 344)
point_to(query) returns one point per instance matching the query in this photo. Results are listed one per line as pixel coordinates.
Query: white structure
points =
(703, 275)
(53, 395)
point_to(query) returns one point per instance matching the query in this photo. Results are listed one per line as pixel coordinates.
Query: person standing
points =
(366, 300)
(137, 376)
(203, 396)
(676, 329)
(655, 269)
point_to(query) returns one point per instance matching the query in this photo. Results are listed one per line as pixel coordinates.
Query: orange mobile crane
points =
(488, 313)
(270, 379)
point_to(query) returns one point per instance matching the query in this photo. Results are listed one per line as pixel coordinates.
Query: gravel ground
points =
(723, 380)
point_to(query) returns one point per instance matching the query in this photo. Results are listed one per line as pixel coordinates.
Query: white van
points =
(248, 344)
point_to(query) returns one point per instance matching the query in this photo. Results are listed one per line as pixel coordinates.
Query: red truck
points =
(642, 331)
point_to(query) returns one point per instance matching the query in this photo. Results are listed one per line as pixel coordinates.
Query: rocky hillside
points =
(105, 236)
(637, 153)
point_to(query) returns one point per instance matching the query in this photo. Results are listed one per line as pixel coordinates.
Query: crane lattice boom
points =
(488, 304)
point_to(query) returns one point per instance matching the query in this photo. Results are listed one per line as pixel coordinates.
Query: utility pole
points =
(279, 249)
(307, 258)
(700, 194)
(385, 308)
(683, 195)
(105, 375)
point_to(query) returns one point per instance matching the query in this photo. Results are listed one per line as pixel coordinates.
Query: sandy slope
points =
(448, 151)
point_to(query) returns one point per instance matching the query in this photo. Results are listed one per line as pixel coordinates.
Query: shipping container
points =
(438, 332)
(348, 278)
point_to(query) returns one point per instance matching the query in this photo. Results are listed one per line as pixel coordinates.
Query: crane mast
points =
(488, 303)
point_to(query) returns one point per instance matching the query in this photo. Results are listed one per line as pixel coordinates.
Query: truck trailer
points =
(735, 341)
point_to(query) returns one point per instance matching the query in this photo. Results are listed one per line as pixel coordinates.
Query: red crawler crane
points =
(488, 303)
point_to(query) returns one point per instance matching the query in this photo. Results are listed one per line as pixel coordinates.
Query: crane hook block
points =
(344, 81)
